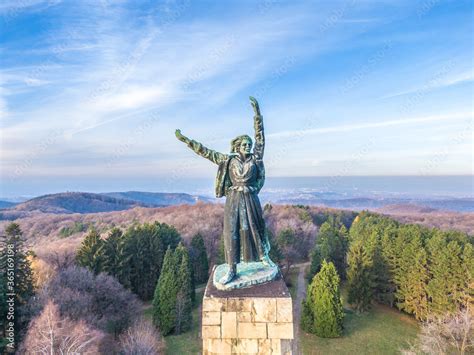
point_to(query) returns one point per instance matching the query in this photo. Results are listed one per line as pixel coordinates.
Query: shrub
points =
(141, 338)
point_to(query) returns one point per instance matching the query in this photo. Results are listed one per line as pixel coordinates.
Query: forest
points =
(132, 286)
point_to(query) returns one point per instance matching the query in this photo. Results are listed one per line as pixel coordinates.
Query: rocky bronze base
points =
(252, 320)
(248, 274)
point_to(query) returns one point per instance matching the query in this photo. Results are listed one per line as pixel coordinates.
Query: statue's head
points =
(241, 144)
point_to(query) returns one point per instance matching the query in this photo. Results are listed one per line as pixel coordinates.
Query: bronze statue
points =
(240, 177)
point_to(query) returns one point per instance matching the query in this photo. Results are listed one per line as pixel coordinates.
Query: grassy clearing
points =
(382, 330)
(189, 342)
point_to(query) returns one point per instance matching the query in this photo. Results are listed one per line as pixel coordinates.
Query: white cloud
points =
(438, 81)
(370, 125)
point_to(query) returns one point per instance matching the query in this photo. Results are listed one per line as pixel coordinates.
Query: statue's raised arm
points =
(258, 126)
(201, 150)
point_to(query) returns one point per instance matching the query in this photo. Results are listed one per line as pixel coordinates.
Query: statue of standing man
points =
(240, 177)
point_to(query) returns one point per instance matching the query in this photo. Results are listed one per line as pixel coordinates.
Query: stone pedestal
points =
(254, 320)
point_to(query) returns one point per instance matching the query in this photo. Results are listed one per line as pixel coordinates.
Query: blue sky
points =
(91, 91)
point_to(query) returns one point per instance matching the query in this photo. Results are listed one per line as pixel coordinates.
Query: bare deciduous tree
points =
(141, 338)
(49, 333)
(452, 334)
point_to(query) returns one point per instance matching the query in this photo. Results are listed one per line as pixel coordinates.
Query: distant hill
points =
(85, 202)
(158, 198)
(405, 204)
(7, 204)
(75, 202)
(405, 209)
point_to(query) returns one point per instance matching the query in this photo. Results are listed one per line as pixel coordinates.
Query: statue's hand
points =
(255, 106)
(180, 136)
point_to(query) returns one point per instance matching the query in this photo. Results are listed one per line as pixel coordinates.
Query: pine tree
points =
(91, 252)
(412, 284)
(323, 303)
(199, 262)
(113, 254)
(360, 277)
(185, 293)
(333, 242)
(144, 247)
(17, 277)
(164, 300)
(386, 287)
(326, 241)
(438, 284)
(342, 246)
(172, 299)
(315, 262)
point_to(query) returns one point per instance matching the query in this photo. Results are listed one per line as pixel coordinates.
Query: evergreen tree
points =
(307, 318)
(164, 300)
(315, 262)
(172, 299)
(326, 241)
(422, 271)
(323, 304)
(17, 278)
(144, 247)
(114, 260)
(91, 253)
(360, 277)
(468, 272)
(333, 242)
(385, 291)
(199, 262)
(412, 283)
(185, 295)
(286, 242)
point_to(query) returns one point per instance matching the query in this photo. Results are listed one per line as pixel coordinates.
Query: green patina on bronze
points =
(240, 177)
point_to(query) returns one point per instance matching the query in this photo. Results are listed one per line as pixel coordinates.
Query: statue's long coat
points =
(241, 181)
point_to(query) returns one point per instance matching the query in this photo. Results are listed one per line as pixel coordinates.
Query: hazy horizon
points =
(389, 186)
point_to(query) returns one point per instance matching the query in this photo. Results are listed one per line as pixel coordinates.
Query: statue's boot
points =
(229, 276)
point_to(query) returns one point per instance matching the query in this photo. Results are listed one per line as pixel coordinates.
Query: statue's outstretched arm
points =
(258, 126)
(201, 150)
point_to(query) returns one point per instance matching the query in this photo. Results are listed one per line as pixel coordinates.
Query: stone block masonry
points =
(255, 320)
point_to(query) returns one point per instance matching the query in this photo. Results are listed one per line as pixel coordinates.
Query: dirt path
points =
(300, 294)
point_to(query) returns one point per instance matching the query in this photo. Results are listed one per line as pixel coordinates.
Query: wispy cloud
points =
(444, 81)
(373, 125)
